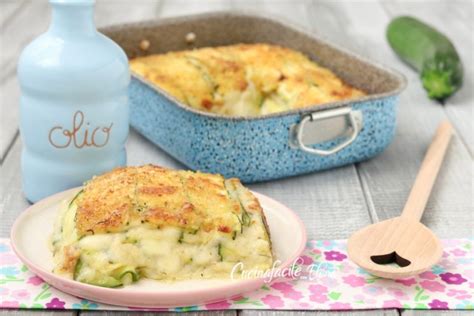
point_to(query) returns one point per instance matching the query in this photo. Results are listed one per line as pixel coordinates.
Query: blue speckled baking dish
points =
(270, 146)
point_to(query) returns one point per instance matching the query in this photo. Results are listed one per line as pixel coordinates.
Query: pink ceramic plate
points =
(32, 229)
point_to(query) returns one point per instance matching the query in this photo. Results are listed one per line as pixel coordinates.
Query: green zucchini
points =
(119, 277)
(245, 218)
(219, 252)
(77, 269)
(125, 272)
(105, 281)
(75, 197)
(224, 252)
(430, 53)
(181, 236)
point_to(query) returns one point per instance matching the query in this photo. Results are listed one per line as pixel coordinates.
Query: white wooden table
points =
(333, 203)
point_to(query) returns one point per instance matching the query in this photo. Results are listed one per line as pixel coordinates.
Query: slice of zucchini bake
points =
(160, 224)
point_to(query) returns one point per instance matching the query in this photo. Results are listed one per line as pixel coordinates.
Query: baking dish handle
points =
(323, 115)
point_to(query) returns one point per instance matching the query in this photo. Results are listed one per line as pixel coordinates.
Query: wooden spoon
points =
(403, 241)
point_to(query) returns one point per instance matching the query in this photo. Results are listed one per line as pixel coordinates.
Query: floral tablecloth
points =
(329, 281)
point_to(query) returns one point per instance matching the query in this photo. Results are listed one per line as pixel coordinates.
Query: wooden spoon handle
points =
(426, 177)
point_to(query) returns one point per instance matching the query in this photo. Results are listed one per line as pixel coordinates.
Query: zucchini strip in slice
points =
(250, 205)
(233, 191)
(75, 197)
(121, 276)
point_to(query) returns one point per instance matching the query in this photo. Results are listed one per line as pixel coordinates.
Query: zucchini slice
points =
(120, 276)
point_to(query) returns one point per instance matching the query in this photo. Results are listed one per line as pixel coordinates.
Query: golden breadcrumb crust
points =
(243, 79)
(157, 196)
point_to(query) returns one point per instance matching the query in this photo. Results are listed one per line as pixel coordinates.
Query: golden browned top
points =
(157, 196)
(243, 79)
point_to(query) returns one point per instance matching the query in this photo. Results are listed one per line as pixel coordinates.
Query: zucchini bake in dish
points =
(160, 224)
(243, 79)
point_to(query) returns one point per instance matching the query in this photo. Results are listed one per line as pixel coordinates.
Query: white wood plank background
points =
(333, 203)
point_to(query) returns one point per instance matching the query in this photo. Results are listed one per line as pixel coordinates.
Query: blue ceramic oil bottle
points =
(74, 113)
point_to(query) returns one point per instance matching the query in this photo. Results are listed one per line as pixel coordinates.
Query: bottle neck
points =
(72, 17)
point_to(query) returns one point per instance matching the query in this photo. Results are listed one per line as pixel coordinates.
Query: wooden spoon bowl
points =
(402, 246)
